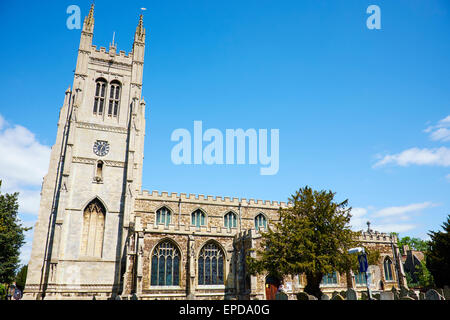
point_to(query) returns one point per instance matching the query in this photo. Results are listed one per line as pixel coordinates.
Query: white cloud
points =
(23, 164)
(402, 210)
(415, 156)
(440, 131)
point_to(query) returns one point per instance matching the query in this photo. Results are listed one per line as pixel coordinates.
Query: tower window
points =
(100, 95)
(99, 172)
(114, 99)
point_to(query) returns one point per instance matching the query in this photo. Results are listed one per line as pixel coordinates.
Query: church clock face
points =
(101, 148)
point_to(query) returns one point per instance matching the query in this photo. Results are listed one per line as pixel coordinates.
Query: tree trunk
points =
(312, 287)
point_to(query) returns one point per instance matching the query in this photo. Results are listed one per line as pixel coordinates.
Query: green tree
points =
(438, 255)
(312, 237)
(413, 243)
(21, 277)
(424, 276)
(11, 236)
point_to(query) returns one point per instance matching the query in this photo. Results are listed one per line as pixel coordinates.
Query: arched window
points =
(99, 172)
(100, 95)
(260, 222)
(93, 229)
(360, 278)
(230, 220)
(198, 218)
(165, 265)
(330, 278)
(388, 269)
(163, 216)
(211, 265)
(114, 98)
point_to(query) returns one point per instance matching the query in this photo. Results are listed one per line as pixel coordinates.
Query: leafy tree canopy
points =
(11, 236)
(438, 255)
(312, 237)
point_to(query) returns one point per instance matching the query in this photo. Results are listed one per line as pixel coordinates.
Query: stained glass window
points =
(198, 218)
(230, 220)
(388, 269)
(210, 265)
(163, 216)
(260, 222)
(165, 265)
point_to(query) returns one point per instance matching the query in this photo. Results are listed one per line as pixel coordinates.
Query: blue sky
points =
(361, 112)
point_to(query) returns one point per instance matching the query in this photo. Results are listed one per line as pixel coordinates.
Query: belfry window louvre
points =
(165, 265)
(114, 99)
(211, 265)
(100, 95)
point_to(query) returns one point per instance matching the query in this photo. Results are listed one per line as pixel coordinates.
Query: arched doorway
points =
(272, 284)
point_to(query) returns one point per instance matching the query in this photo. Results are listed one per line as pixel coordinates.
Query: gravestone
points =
(281, 296)
(364, 296)
(338, 297)
(403, 292)
(406, 298)
(343, 294)
(351, 294)
(440, 291)
(413, 294)
(376, 296)
(432, 295)
(117, 298)
(333, 294)
(302, 296)
(134, 297)
(310, 297)
(325, 297)
(422, 296)
(447, 292)
(386, 295)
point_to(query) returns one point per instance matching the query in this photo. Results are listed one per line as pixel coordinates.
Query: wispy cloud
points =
(415, 156)
(440, 131)
(402, 210)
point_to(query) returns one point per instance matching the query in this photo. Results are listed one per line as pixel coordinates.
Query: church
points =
(100, 235)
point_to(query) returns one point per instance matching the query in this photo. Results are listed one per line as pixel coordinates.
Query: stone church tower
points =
(94, 174)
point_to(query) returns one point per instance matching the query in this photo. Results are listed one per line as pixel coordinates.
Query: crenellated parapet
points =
(376, 236)
(211, 200)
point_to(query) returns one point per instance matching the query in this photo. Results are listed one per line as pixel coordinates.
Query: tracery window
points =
(260, 222)
(211, 265)
(100, 95)
(114, 98)
(163, 216)
(198, 218)
(230, 220)
(165, 268)
(388, 269)
(330, 278)
(93, 229)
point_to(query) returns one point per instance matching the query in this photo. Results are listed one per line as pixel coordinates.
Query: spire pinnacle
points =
(140, 30)
(89, 20)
